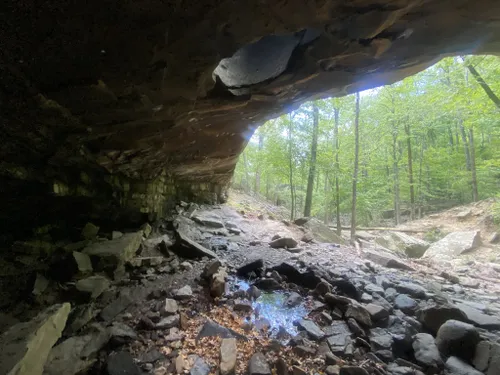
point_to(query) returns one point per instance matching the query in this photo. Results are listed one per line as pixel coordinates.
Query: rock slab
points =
(228, 354)
(25, 347)
(453, 245)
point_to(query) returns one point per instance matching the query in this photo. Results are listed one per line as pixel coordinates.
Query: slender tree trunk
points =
(337, 170)
(410, 171)
(493, 97)
(247, 176)
(258, 172)
(327, 199)
(312, 166)
(466, 146)
(450, 134)
(420, 174)
(355, 173)
(395, 169)
(290, 153)
(475, 195)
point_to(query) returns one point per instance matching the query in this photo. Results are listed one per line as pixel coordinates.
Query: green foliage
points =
(435, 112)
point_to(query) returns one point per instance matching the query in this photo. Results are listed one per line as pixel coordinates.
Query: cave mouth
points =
(262, 60)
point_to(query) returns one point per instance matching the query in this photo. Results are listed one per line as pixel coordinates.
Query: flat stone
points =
(115, 252)
(359, 313)
(294, 299)
(478, 318)
(258, 365)
(188, 248)
(283, 242)
(184, 293)
(122, 363)
(372, 288)
(267, 284)
(168, 322)
(413, 290)
(426, 351)
(25, 347)
(208, 220)
(458, 339)
(312, 329)
(456, 366)
(147, 261)
(116, 307)
(200, 367)
(212, 329)
(381, 339)
(405, 303)
(93, 285)
(76, 354)
(294, 250)
(228, 355)
(170, 307)
(83, 263)
(376, 312)
(387, 260)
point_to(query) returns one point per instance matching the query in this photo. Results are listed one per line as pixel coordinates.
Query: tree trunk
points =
(290, 154)
(257, 172)
(247, 176)
(355, 173)
(410, 172)
(475, 195)
(312, 166)
(395, 170)
(420, 175)
(268, 183)
(327, 200)
(483, 84)
(337, 169)
(466, 146)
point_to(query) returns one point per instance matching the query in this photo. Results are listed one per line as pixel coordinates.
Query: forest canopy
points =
(426, 143)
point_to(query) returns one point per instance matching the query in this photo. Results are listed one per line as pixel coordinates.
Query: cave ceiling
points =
(137, 88)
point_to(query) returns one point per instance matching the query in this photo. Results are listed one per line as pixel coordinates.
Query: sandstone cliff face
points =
(117, 108)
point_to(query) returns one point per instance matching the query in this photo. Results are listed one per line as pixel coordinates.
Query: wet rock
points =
(253, 292)
(114, 253)
(257, 267)
(168, 322)
(170, 307)
(212, 329)
(426, 351)
(228, 355)
(116, 307)
(187, 248)
(267, 284)
(312, 329)
(452, 245)
(482, 355)
(381, 339)
(90, 231)
(25, 347)
(359, 313)
(258, 365)
(458, 339)
(476, 317)
(82, 262)
(376, 312)
(307, 279)
(283, 242)
(387, 260)
(456, 366)
(93, 286)
(339, 339)
(242, 305)
(184, 293)
(211, 268)
(405, 303)
(353, 370)
(294, 299)
(76, 354)
(411, 289)
(432, 317)
(122, 363)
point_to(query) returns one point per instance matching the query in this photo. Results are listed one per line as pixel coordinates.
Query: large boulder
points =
(458, 339)
(476, 317)
(453, 244)
(399, 241)
(434, 316)
(112, 254)
(321, 232)
(387, 259)
(283, 242)
(187, 248)
(24, 347)
(426, 351)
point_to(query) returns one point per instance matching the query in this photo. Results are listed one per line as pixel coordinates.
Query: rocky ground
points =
(238, 289)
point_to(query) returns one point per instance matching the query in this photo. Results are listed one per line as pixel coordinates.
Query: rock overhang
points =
(132, 92)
